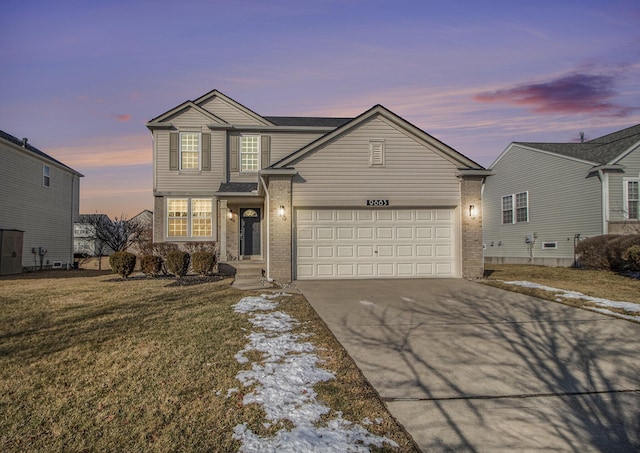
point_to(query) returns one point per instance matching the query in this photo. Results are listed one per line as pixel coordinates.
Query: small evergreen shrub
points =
(178, 263)
(151, 265)
(162, 249)
(122, 263)
(203, 262)
(632, 257)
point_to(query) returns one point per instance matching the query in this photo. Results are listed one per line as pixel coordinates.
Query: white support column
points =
(222, 221)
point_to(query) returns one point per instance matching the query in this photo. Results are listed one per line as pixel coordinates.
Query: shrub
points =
(617, 248)
(632, 257)
(162, 249)
(199, 246)
(203, 262)
(151, 265)
(178, 263)
(593, 252)
(122, 263)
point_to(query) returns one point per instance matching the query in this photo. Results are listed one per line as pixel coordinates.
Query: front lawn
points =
(92, 363)
(599, 284)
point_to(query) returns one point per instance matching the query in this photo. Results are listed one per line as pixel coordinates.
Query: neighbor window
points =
(189, 151)
(250, 153)
(189, 217)
(632, 199)
(521, 211)
(46, 176)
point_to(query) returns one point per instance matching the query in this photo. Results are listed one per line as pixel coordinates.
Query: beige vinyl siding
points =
(45, 214)
(230, 113)
(339, 174)
(563, 201)
(631, 164)
(196, 182)
(189, 118)
(285, 143)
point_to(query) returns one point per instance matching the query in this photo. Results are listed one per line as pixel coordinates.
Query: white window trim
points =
(373, 143)
(259, 152)
(189, 219)
(514, 208)
(625, 196)
(46, 175)
(199, 134)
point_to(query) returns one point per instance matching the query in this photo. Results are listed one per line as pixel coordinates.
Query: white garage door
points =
(386, 243)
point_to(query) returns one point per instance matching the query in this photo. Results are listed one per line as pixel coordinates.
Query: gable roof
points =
(26, 146)
(604, 150)
(379, 110)
(215, 93)
(184, 106)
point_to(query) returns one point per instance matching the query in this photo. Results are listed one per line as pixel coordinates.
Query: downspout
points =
(268, 216)
(604, 181)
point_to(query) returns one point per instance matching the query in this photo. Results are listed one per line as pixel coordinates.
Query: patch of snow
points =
(627, 306)
(231, 392)
(284, 381)
(366, 302)
(406, 299)
(613, 313)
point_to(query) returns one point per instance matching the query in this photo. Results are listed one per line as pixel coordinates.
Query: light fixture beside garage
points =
(281, 211)
(473, 211)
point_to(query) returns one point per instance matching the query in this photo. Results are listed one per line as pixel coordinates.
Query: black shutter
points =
(265, 149)
(234, 152)
(173, 151)
(206, 152)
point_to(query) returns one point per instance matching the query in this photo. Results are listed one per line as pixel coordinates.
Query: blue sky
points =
(81, 78)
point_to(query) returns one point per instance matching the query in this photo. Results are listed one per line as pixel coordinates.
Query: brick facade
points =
(280, 240)
(471, 228)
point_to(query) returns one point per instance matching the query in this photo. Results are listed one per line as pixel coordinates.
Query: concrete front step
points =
(248, 274)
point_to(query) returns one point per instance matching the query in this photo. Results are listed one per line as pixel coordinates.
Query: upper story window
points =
(46, 176)
(189, 151)
(250, 153)
(521, 211)
(632, 199)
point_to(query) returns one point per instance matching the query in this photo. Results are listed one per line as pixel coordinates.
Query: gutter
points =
(268, 216)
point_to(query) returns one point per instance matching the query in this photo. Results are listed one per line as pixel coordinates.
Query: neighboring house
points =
(85, 242)
(39, 196)
(316, 198)
(144, 218)
(546, 196)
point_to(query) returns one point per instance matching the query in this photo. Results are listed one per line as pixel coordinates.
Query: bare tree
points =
(118, 234)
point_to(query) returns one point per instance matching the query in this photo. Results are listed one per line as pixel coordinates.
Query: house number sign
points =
(377, 202)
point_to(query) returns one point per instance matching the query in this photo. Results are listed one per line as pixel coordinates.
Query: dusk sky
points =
(80, 78)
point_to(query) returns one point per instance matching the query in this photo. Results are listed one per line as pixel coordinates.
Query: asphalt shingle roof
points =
(601, 150)
(308, 121)
(238, 187)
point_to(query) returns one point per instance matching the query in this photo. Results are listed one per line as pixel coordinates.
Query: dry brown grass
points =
(92, 364)
(603, 284)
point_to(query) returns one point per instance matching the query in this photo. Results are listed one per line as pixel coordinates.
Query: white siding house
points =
(39, 196)
(544, 197)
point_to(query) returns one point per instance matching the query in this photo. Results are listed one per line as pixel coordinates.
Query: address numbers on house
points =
(377, 202)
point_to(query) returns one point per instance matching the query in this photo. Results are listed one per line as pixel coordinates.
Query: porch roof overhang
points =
(241, 192)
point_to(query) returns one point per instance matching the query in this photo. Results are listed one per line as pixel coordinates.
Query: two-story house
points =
(39, 202)
(316, 198)
(545, 197)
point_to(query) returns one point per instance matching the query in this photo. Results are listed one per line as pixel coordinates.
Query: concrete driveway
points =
(470, 368)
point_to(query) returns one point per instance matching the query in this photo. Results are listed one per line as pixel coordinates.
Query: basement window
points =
(549, 246)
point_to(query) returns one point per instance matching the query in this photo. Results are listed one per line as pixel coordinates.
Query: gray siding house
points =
(313, 197)
(546, 196)
(39, 196)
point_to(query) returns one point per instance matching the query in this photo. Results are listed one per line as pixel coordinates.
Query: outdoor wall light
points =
(281, 211)
(230, 214)
(473, 211)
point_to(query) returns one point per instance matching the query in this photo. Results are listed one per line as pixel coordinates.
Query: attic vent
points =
(24, 142)
(376, 152)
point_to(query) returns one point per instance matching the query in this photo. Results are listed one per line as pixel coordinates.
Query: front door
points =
(250, 231)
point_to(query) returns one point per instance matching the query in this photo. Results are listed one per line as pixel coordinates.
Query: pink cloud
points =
(123, 118)
(575, 93)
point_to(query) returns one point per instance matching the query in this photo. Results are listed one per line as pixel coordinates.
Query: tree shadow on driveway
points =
(475, 368)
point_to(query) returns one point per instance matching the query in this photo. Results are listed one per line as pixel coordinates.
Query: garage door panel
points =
(369, 243)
